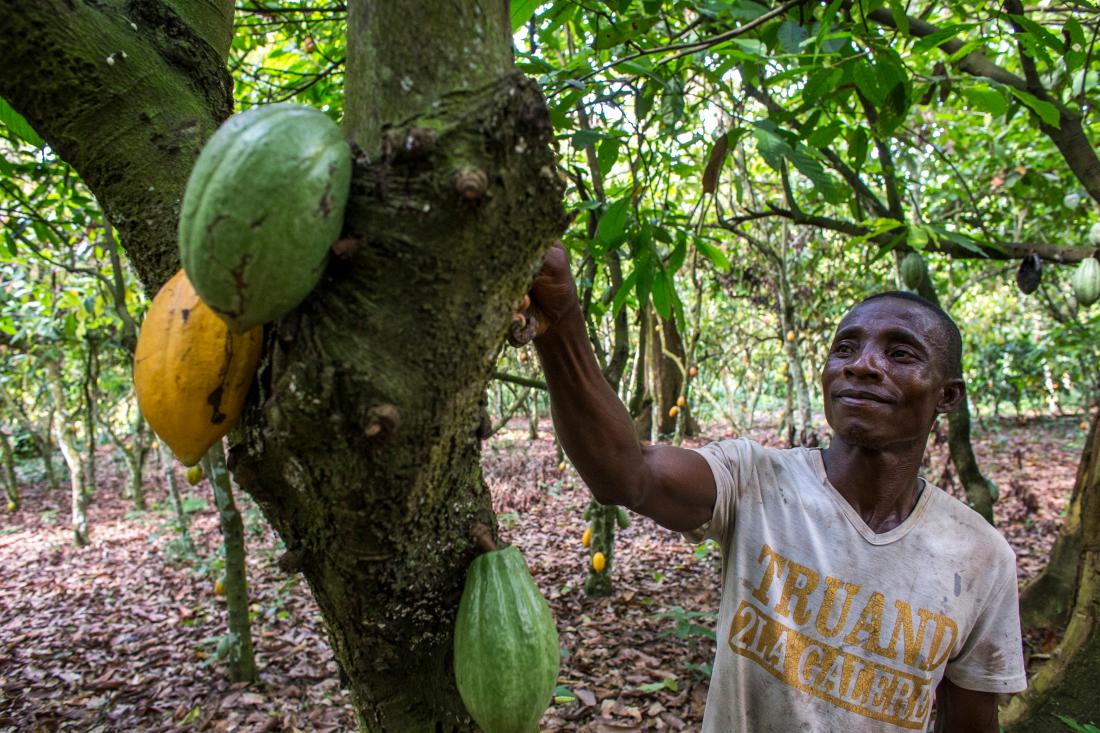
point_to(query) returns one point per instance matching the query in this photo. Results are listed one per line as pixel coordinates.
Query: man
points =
(852, 589)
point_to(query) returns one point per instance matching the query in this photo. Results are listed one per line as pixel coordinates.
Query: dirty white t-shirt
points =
(825, 625)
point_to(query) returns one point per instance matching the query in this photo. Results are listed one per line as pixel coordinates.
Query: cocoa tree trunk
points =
(362, 450)
(1067, 684)
(39, 435)
(360, 444)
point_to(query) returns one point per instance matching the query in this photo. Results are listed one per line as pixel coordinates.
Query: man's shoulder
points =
(954, 516)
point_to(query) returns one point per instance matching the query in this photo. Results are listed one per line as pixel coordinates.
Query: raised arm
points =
(673, 486)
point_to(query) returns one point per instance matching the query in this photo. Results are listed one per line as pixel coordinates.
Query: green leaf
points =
(19, 126)
(791, 34)
(522, 10)
(714, 254)
(823, 136)
(867, 82)
(985, 99)
(858, 142)
(623, 294)
(942, 35)
(606, 154)
(583, 138)
(900, 18)
(1046, 111)
(663, 292)
(679, 252)
(810, 167)
(612, 225)
(1039, 33)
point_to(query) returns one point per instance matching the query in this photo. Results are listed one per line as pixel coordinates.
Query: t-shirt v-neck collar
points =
(857, 522)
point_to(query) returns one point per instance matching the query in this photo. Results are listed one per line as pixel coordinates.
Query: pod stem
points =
(483, 539)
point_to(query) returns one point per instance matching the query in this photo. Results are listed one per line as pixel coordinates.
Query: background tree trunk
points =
(1067, 684)
(978, 493)
(236, 648)
(183, 522)
(66, 438)
(11, 483)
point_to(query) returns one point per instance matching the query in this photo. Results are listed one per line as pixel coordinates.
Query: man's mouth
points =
(861, 396)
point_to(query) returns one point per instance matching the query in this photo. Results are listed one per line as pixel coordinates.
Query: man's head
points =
(893, 366)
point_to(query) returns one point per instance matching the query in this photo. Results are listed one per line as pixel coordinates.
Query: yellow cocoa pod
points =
(219, 588)
(692, 372)
(599, 562)
(673, 411)
(191, 373)
(195, 475)
(790, 336)
(680, 401)
(586, 538)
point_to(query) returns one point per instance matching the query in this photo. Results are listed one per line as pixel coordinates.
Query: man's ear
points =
(954, 392)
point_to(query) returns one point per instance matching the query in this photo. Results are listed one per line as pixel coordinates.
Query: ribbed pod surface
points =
(506, 645)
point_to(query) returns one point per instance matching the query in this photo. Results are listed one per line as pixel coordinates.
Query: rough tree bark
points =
(1068, 682)
(362, 448)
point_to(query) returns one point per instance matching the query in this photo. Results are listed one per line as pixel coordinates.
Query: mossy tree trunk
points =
(1067, 684)
(90, 393)
(363, 450)
(236, 647)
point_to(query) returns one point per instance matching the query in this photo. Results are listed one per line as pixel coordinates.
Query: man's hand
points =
(552, 297)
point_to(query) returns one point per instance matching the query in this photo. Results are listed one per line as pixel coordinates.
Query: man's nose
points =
(868, 363)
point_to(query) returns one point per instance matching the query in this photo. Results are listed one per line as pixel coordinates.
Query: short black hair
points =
(952, 338)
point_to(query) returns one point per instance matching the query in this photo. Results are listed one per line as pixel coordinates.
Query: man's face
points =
(885, 378)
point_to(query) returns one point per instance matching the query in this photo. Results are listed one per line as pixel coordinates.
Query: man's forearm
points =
(591, 422)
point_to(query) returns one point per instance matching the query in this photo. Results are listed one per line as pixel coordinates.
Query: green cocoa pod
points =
(588, 513)
(1086, 281)
(1030, 274)
(506, 653)
(912, 270)
(264, 203)
(1094, 234)
(622, 517)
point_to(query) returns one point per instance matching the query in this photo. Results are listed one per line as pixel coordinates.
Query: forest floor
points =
(121, 635)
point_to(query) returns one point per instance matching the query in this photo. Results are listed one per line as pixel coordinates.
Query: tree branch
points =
(1069, 136)
(127, 100)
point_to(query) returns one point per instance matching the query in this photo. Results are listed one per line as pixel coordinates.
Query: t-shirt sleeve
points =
(729, 461)
(992, 657)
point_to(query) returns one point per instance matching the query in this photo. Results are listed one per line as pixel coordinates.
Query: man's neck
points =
(881, 485)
